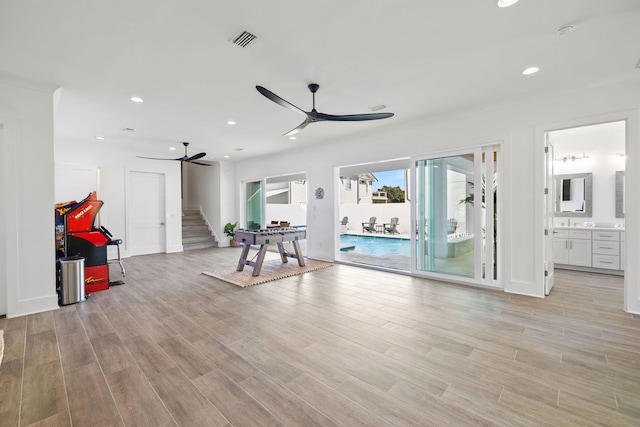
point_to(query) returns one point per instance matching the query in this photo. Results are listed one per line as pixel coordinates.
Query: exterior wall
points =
(359, 189)
(298, 191)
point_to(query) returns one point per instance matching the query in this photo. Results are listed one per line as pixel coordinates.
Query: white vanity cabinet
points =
(589, 250)
(572, 247)
(606, 249)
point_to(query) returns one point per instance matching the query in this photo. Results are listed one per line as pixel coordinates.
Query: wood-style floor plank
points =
(184, 401)
(43, 393)
(136, 400)
(90, 400)
(338, 346)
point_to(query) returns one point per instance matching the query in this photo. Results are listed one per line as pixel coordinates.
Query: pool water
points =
(375, 246)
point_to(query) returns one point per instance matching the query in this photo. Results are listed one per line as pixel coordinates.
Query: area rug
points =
(271, 270)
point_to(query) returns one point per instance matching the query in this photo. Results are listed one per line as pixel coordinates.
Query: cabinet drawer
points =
(560, 234)
(580, 234)
(606, 261)
(613, 236)
(606, 247)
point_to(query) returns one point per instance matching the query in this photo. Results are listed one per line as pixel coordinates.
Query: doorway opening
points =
(588, 205)
(374, 215)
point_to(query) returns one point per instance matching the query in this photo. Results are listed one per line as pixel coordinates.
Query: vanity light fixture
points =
(506, 3)
(136, 99)
(530, 70)
(572, 158)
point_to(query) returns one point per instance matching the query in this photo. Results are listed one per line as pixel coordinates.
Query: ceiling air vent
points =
(243, 39)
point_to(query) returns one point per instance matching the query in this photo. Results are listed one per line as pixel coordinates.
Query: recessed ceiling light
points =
(100, 137)
(530, 70)
(136, 99)
(231, 122)
(227, 157)
(172, 148)
(292, 137)
(506, 3)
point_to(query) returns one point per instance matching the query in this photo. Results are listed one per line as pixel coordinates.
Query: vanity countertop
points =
(582, 227)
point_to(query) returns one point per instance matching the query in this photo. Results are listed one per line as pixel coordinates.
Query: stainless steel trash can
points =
(71, 280)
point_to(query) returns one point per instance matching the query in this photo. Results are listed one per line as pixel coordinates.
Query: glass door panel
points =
(447, 226)
(457, 216)
(253, 193)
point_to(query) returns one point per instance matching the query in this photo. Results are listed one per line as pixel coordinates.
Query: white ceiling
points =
(420, 58)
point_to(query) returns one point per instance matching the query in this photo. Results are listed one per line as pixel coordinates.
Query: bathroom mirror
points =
(573, 195)
(620, 194)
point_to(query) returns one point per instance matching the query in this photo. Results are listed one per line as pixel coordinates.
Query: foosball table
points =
(264, 238)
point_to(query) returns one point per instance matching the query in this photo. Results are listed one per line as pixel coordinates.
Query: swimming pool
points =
(375, 246)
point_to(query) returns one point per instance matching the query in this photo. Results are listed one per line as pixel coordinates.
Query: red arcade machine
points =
(80, 236)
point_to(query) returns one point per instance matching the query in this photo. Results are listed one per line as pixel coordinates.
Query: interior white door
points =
(147, 213)
(549, 209)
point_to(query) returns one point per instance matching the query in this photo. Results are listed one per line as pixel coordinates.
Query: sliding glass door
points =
(455, 234)
(253, 194)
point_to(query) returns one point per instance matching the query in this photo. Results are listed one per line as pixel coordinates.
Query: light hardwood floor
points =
(338, 346)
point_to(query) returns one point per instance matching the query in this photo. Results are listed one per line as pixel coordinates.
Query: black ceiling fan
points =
(313, 116)
(184, 158)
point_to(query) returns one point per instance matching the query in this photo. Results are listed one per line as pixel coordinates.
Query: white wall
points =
(27, 271)
(515, 125)
(602, 146)
(115, 160)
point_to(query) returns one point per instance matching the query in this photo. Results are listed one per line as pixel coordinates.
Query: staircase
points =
(195, 232)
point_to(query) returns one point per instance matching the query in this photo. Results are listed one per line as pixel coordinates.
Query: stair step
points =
(196, 227)
(198, 239)
(189, 234)
(205, 245)
(195, 232)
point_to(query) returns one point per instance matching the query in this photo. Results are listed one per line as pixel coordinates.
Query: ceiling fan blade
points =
(198, 163)
(353, 117)
(195, 157)
(275, 98)
(299, 127)
(158, 158)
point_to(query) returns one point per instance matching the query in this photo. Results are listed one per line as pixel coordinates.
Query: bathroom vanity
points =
(594, 249)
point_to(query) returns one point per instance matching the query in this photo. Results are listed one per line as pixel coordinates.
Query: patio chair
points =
(392, 227)
(370, 226)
